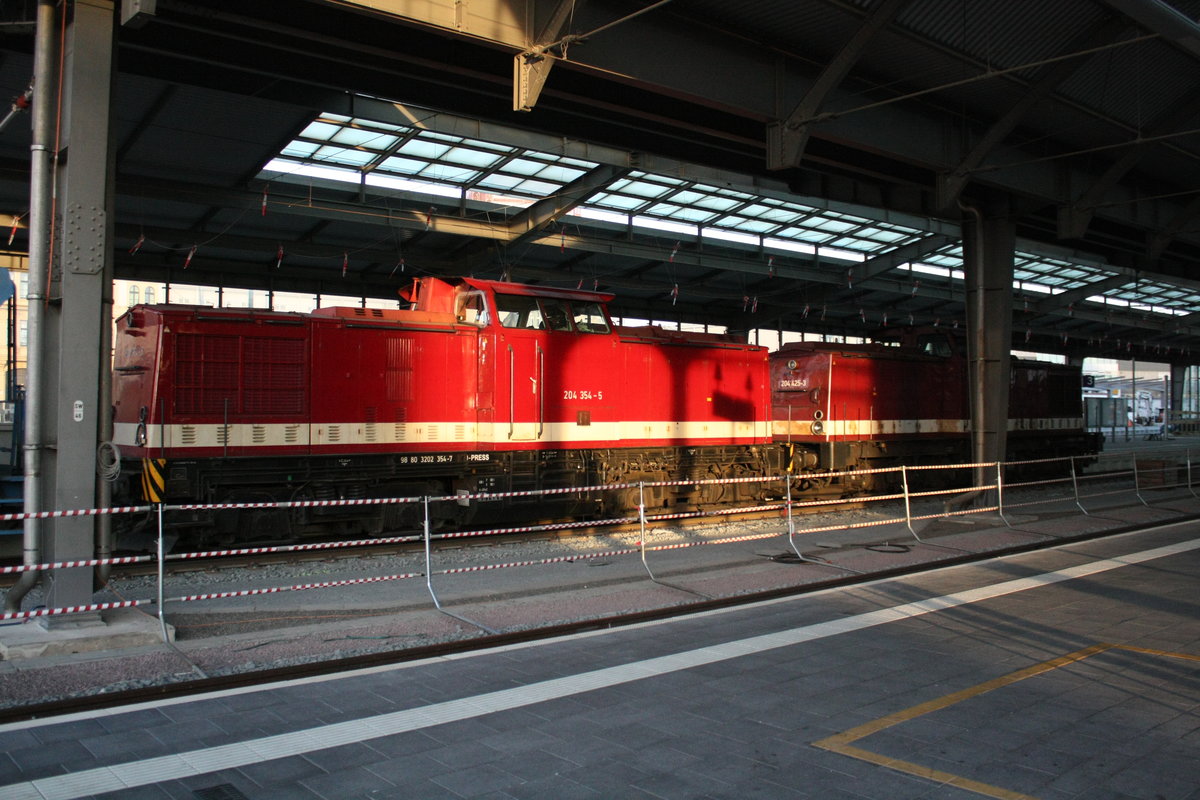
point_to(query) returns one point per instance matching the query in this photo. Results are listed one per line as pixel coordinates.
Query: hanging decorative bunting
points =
(264, 202)
(345, 263)
(674, 293)
(771, 266)
(674, 250)
(279, 256)
(804, 313)
(187, 262)
(141, 240)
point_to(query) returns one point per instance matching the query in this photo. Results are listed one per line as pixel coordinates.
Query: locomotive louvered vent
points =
(258, 434)
(334, 433)
(460, 432)
(399, 375)
(370, 432)
(373, 313)
(223, 435)
(291, 434)
(188, 435)
(433, 433)
(273, 376)
(220, 375)
(401, 431)
(206, 373)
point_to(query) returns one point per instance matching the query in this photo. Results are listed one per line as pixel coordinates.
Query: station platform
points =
(1071, 672)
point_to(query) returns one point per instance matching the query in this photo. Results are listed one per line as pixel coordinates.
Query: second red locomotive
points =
(494, 387)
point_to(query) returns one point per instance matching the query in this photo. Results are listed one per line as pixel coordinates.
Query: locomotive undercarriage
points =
(814, 471)
(236, 481)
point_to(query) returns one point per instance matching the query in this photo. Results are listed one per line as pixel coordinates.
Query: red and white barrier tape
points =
(190, 598)
(89, 562)
(537, 562)
(77, 512)
(54, 612)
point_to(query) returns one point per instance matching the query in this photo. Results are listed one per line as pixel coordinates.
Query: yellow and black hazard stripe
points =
(154, 480)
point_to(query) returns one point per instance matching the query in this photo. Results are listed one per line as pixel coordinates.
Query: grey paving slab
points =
(745, 725)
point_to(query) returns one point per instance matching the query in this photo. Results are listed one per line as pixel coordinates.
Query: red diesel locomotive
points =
(489, 387)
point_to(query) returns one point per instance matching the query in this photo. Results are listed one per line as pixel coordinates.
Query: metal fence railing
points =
(918, 497)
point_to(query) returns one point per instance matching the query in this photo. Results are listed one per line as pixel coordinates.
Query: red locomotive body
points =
(480, 386)
(881, 405)
(491, 387)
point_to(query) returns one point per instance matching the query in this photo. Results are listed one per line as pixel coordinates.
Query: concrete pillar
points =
(1174, 405)
(989, 242)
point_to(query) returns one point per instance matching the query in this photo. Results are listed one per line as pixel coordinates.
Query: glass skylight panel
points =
(743, 224)
(524, 166)
(343, 155)
(498, 180)
(559, 174)
(356, 137)
(442, 137)
(471, 157)
(300, 149)
(323, 131)
(802, 234)
(403, 166)
(610, 200)
(717, 203)
(421, 148)
(856, 244)
(448, 173)
(640, 188)
(680, 212)
(537, 188)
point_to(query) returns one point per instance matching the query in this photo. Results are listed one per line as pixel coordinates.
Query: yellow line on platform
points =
(843, 742)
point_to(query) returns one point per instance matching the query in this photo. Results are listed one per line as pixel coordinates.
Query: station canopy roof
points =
(668, 219)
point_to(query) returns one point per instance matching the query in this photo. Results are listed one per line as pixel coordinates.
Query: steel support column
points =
(989, 240)
(78, 314)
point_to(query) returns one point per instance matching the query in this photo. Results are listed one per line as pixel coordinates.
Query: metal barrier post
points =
(1000, 493)
(1137, 483)
(642, 526)
(1075, 487)
(429, 557)
(1188, 454)
(907, 502)
(791, 520)
(429, 577)
(162, 570)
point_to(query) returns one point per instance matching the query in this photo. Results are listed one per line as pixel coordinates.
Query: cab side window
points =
(518, 311)
(472, 309)
(589, 318)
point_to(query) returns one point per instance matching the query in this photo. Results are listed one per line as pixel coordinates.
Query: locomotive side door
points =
(522, 353)
(526, 368)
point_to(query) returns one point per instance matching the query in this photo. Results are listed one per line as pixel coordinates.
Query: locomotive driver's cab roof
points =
(482, 303)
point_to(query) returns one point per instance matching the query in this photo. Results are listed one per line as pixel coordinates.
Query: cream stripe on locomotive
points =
(432, 433)
(867, 428)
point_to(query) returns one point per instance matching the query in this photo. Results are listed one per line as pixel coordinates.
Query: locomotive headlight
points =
(817, 428)
(791, 363)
